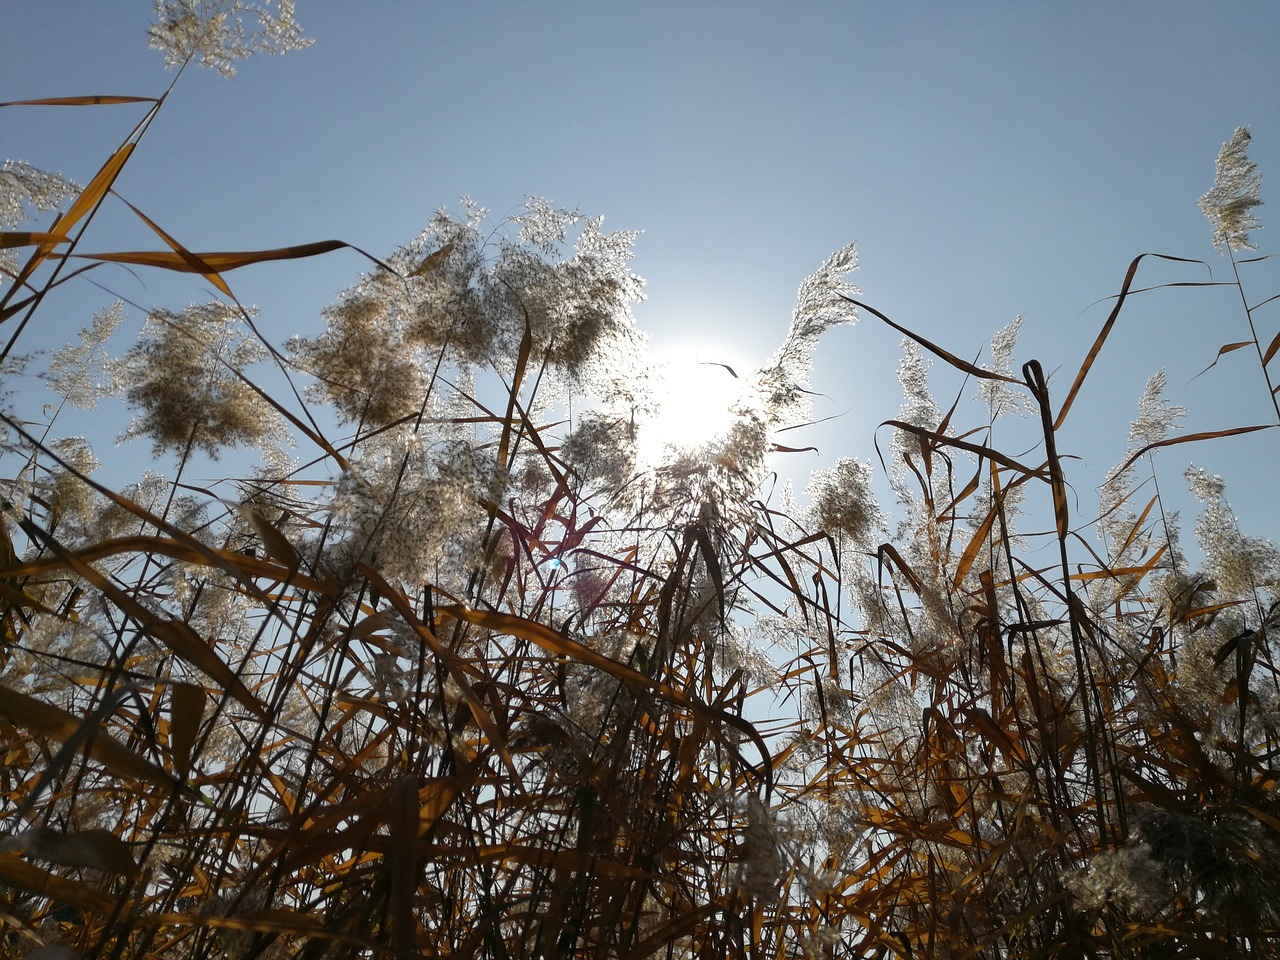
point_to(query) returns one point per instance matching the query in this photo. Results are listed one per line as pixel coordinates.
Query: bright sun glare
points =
(695, 401)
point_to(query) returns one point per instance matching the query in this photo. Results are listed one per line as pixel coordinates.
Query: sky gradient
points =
(990, 159)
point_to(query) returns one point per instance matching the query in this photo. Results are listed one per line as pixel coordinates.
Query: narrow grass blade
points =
(46, 720)
(192, 260)
(186, 712)
(30, 238)
(970, 554)
(223, 262)
(432, 261)
(177, 635)
(1272, 347)
(1223, 351)
(92, 195)
(18, 874)
(87, 101)
(1092, 355)
(226, 560)
(1193, 438)
(977, 450)
(933, 348)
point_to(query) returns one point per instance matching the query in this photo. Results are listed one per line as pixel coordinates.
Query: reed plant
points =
(445, 666)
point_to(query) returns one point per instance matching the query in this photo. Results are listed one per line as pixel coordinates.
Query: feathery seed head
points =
(22, 185)
(83, 372)
(1235, 193)
(361, 363)
(601, 448)
(185, 378)
(1238, 564)
(217, 33)
(843, 504)
(1001, 397)
(1156, 416)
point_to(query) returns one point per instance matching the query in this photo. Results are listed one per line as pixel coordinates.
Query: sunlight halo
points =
(695, 397)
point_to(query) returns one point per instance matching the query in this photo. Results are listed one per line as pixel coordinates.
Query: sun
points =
(695, 399)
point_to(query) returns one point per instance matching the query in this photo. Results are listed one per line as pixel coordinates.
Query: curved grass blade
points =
(225, 560)
(1223, 351)
(976, 449)
(93, 849)
(1039, 386)
(933, 348)
(221, 262)
(1092, 355)
(17, 873)
(975, 545)
(46, 720)
(1192, 438)
(177, 635)
(275, 543)
(16, 308)
(193, 261)
(458, 668)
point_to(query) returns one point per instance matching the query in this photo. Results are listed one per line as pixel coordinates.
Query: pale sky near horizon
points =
(990, 159)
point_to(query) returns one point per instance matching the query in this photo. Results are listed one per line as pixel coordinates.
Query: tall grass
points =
(456, 674)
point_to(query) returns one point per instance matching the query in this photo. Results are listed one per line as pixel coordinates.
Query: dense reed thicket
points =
(458, 671)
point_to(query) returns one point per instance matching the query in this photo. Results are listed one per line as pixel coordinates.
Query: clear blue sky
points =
(991, 159)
